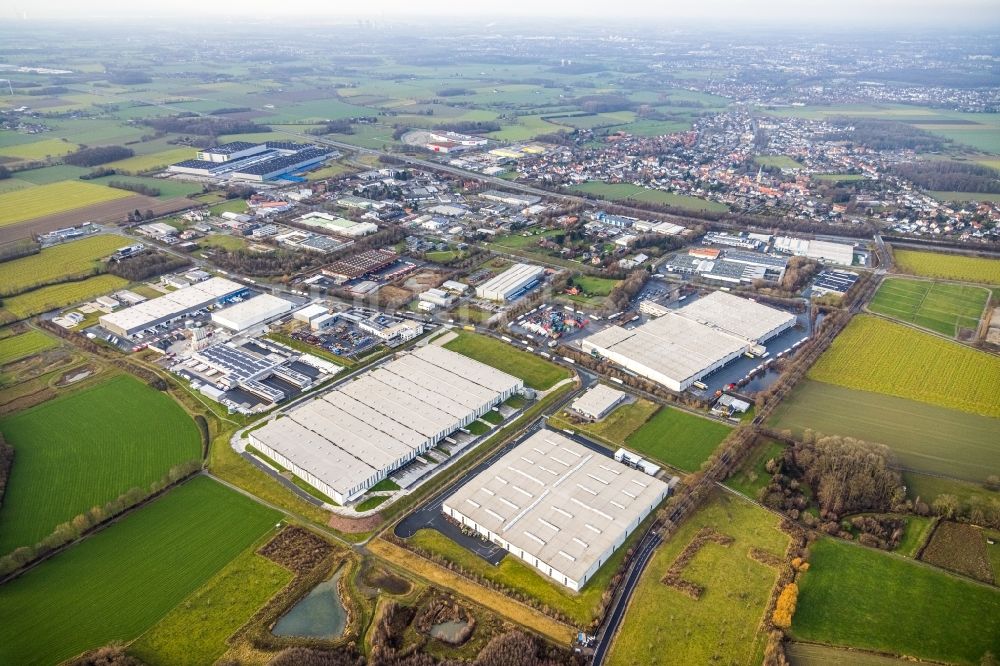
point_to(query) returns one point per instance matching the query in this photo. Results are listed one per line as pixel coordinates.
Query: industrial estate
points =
(537, 343)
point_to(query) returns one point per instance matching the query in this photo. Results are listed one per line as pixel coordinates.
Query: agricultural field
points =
(52, 174)
(677, 438)
(859, 597)
(142, 163)
(937, 306)
(811, 654)
(923, 437)
(527, 127)
(979, 270)
(67, 261)
(195, 631)
(85, 449)
(22, 345)
(839, 177)
(54, 198)
(779, 161)
(627, 192)
(960, 548)
(58, 296)
(169, 188)
(119, 582)
(665, 626)
(537, 373)
(876, 355)
(38, 150)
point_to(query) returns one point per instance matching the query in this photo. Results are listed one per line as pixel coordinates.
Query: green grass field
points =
(664, 626)
(940, 307)
(839, 177)
(928, 487)
(619, 424)
(169, 189)
(753, 475)
(19, 346)
(873, 354)
(195, 631)
(39, 150)
(677, 438)
(595, 286)
(121, 581)
(980, 270)
(52, 174)
(860, 597)
(141, 163)
(626, 192)
(85, 449)
(779, 161)
(69, 260)
(926, 438)
(537, 373)
(43, 200)
(917, 530)
(58, 296)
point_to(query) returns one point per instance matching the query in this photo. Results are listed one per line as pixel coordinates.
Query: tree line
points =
(88, 157)
(138, 188)
(203, 125)
(146, 265)
(950, 176)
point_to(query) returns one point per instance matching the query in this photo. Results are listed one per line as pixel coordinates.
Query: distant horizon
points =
(870, 16)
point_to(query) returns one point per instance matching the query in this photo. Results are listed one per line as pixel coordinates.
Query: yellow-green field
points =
(948, 266)
(148, 162)
(39, 150)
(873, 354)
(60, 197)
(68, 260)
(60, 295)
(30, 342)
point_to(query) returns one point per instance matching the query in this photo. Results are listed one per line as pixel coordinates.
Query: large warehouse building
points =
(178, 303)
(251, 312)
(347, 440)
(511, 283)
(557, 505)
(684, 345)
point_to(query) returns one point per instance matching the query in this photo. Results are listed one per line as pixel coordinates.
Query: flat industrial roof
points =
(557, 500)
(176, 302)
(511, 278)
(251, 311)
(384, 414)
(738, 316)
(673, 346)
(597, 399)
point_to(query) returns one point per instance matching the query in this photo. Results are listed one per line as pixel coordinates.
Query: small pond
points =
(451, 631)
(320, 614)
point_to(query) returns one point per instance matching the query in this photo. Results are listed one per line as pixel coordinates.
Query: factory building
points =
(820, 250)
(556, 504)
(337, 225)
(598, 402)
(345, 441)
(511, 283)
(685, 345)
(231, 151)
(251, 312)
(170, 306)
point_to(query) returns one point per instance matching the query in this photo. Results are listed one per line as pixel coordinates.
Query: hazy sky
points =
(875, 13)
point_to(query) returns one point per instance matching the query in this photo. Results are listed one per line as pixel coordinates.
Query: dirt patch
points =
(391, 296)
(296, 549)
(960, 548)
(445, 611)
(424, 280)
(379, 577)
(26, 401)
(109, 212)
(354, 525)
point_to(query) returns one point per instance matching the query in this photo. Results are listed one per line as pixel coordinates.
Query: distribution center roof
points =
(738, 316)
(511, 279)
(557, 500)
(383, 415)
(251, 311)
(176, 302)
(598, 399)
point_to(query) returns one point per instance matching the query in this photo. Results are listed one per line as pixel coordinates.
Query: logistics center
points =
(682, 346)
(213, 291)
(348, 439)
(557, 505)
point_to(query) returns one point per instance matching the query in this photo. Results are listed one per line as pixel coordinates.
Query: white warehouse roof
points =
(509, 282)
(599, 400)
(383, 418)
(553, 499)
(738, 316)
(251, 312)
(175, 303)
